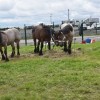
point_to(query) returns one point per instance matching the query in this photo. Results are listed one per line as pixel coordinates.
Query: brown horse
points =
(64, 37)
(8, 37)
(41, 33)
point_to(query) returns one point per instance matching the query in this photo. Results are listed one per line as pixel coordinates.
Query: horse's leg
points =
(13, 50)
(5, 52)
(18, 47)
(37, 49)
(65, 46)
(49, 45)
(3, 57)
(40, 52)
(69, 46)
(35, 45)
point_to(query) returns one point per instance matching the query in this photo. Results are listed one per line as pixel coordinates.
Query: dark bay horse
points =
(64, 37)
(8, 37)
(41, 33)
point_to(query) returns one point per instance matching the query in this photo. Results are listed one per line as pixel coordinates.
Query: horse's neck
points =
(3, 32)
(39, 26)
(3, 37)
(0, 37)
(65, 24)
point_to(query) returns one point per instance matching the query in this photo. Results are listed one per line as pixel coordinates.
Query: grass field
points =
(53, 76)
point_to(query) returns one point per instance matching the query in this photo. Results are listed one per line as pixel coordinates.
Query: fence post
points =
(25, 34)
(96, 28)
(82, 31)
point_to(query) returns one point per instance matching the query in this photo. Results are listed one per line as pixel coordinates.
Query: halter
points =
(54, 40)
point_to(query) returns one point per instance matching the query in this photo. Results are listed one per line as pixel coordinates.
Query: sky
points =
(16, 13)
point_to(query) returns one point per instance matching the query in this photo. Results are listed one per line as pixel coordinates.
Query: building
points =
(90, 21)
(74, 22)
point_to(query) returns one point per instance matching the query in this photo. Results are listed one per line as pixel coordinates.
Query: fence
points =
(26, 32)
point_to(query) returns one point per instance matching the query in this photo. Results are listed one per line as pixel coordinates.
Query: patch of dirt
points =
(54, 54)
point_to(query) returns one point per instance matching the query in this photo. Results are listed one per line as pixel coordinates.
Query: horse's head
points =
(62, 35)
(58, 37)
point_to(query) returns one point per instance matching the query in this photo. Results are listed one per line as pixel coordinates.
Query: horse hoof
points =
(12, 56)
(18, 54)
(7, 60)
(40, 54)
(69, 52)
(65, 50)
(35, 51)
(3, 59)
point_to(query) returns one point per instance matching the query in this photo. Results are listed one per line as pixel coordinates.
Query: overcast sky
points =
(30, 12)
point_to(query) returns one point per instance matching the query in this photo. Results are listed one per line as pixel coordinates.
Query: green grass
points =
(53, 76)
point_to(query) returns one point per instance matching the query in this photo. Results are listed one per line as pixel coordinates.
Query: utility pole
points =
(68, 15)
(51, 18)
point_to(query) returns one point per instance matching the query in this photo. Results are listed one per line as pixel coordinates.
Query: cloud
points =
(19, 12)
(6, 5)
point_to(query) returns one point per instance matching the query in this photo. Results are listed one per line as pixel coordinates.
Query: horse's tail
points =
(0, 37)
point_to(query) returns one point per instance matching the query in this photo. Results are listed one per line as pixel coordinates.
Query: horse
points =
(41, 33)
(9, 37)
(64, 37)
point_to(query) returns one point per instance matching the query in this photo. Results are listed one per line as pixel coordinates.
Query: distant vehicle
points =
(96, 26)
(90, 27)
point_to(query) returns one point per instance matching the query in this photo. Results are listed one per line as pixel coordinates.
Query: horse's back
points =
(41, 32)
(13, 35)
(36, 32)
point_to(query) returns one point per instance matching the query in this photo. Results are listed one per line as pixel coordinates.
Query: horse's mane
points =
(43, 25)
(46, 27)
(0, 37)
